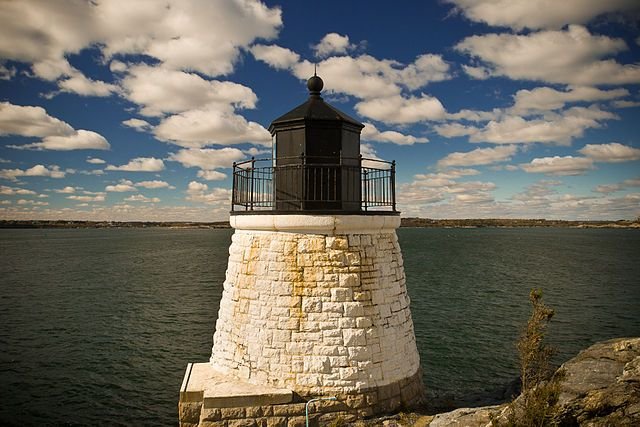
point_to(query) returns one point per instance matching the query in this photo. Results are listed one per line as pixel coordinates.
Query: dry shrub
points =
(537, 404)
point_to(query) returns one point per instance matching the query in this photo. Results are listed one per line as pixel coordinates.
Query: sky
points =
(135, 110)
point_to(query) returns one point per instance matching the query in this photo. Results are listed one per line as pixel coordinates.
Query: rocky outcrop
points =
(600, 387)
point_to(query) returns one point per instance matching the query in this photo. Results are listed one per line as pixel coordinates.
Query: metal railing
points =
(306, 183)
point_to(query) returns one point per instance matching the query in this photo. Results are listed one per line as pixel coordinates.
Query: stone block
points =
(347, 323)
(317, 365)
(311, 305)
(363, 322)
(360, 353)
(348, 373)
(337, 242)
(353, 309)
(332, 307)
(349, 280)
(213, 424)
(189, 412)
(308, 244)
(353, 259)
(232, 413)
(276, 422)
(291, 409)
(211, 414)
(354, 337)
(341, 294)
(242, 423)
(354, 240)
(296, 422)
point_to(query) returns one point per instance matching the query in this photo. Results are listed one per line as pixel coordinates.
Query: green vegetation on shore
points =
(109, 224)
(406, 222)
(508, 223)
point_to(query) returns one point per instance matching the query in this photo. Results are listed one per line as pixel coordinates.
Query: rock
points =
(600, 387)
(466, 417)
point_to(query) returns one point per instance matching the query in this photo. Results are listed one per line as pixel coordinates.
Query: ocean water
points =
(97, 326)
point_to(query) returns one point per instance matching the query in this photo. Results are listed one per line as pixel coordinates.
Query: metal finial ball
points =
(315, 84)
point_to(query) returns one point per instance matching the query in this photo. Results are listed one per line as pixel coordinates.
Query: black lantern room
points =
(317, 167)
(317, 156)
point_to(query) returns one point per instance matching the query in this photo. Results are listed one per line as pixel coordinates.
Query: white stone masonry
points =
(316, 312)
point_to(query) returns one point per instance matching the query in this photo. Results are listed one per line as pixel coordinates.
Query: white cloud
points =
(207, 159)
(210, 175)
(452, 130)
(198, 192)
(200, 35)
(84, 86)
(66, 190)
(572, 56)
(88, 198)
(476, 115)
(624, 103)
(80, 140)
(153, 184)
(95, 161)
(158, 90)
(275, 56)
(52, 171)
(198, 128)
(123, 186)
(366, 77)
(333, 43)
(32, 121)
(479, 156)
(138, 124)
(478, 73)
(141, 198)
(31, 202)
(559, 166)
(371, 133)
(400, 110)
(12, 191)
(140, 164)
(444, 187)
(117, 66)
(6, 73)
(550, 14)
(612, 188)
(613, 152)
(546, 98)
(552, 129)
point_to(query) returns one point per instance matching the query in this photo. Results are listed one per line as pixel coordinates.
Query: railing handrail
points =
(271, 159)
(321, 183)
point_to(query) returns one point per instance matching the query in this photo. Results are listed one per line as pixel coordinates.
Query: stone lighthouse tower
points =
(314, 302)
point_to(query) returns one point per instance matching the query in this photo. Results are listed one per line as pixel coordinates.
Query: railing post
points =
(253, 166)
(359, 195)
(393, 184)
(234, 188)
(366, 189)
(303, 173)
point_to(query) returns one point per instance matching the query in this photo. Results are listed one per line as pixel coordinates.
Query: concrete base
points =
(202, 383)
(209, 398)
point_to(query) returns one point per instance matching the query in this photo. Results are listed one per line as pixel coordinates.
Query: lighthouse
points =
(314, 320)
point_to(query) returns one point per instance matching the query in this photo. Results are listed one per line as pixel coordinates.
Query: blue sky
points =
(121, 110)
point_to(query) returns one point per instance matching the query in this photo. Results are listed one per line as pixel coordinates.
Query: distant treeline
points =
(503, 222)
(109, 224)
(406, 222)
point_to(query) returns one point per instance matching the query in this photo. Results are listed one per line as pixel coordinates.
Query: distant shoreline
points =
(406, 222)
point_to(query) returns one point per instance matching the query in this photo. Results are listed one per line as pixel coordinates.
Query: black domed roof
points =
(314, 109)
